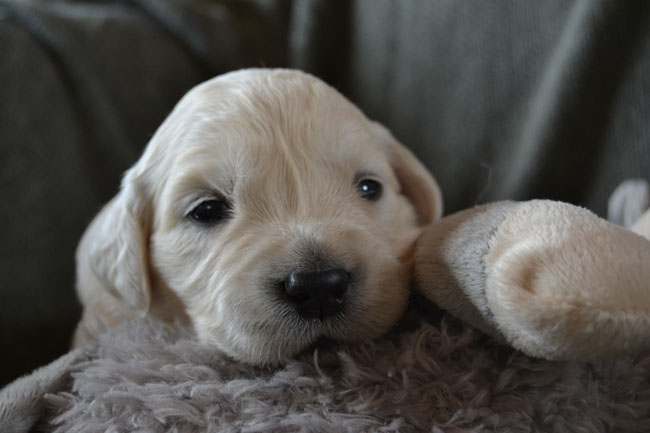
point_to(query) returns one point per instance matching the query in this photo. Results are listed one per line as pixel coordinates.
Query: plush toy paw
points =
(551, 279)
(628, 202)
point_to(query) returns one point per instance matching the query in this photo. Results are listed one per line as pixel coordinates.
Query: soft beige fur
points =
(287, 151)
(565, 284)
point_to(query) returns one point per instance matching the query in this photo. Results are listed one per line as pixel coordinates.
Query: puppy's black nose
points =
(318, 295)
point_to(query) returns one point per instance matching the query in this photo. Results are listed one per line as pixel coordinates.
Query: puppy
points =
(267, 213)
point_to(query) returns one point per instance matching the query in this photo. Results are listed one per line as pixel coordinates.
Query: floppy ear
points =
(416, 182)
(113, 253)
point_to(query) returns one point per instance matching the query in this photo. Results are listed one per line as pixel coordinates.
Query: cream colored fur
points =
(563, 283)
(287, 151)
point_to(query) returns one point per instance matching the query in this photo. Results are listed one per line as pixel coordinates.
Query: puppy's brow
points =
(365, 174)
(202, 179)
(196, 197)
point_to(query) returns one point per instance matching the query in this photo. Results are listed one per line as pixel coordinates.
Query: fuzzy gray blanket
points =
(432, 374)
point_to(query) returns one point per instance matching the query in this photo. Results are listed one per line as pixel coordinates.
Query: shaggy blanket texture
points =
(432, 374)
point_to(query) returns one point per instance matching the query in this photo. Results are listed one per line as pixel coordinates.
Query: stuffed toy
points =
(551, 279)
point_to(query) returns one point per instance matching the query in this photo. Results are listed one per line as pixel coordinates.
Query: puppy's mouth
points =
(317, 332)
(313, 310)
(323, 344)
(324, 348)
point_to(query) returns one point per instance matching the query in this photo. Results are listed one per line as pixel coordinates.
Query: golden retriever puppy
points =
(267, 213)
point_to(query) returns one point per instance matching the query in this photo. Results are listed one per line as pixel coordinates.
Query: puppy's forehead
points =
(229, 127)
(275, 105)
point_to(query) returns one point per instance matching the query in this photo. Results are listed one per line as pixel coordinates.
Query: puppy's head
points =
(272, 210)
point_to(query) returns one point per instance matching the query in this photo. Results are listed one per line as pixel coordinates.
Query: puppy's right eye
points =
(211, 211)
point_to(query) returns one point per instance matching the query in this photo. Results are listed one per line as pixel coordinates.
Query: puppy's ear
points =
(113, 253)
(416, 182)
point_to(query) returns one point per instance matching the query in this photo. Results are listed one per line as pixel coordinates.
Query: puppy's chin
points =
(278, 345)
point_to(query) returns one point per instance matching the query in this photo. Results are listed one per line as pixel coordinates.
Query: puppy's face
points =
(273, 211)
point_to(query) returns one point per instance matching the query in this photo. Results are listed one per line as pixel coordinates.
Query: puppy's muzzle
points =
(318, 294)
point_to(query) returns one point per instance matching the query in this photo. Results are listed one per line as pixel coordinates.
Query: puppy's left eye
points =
(370, 189)
(211, 211)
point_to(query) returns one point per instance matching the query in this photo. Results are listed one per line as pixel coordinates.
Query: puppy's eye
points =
(211, 211)
(370, 189)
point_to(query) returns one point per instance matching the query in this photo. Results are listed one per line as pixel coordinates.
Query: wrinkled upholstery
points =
(500, 99)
